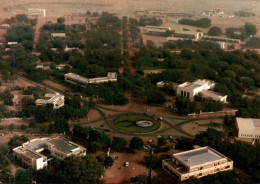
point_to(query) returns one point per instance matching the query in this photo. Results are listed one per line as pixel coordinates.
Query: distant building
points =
(161, 84)
(190, 90)
(220, 39)
(197, 163)
(35, 12)
(12, 43)
(61, 66)
(55, 99)
(31, 153)
(248, 128)
(156, 30)
(185, 35)
(77, 79)
(58, 35)
(4, 26)
(66, 49)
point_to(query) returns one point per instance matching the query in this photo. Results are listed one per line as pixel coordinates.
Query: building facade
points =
(197, 163)
(248, 128)
(200, 87)
(30, 153)
(56, 99)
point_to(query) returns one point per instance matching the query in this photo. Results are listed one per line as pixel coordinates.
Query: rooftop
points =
(248, 124)
(198, 156)
(63, 145)
(187, 32)
(78, 77)
(212, 94)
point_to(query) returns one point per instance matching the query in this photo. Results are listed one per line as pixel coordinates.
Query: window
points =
(182, 93)
(201, 168)
(200, 174)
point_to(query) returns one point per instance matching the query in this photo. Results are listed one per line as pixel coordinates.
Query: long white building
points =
(184, 35)
(31, 153)
(157, 30)
(55, 99)
(36, 12)
(248, 128)
(197, 163)
(203, 87)
(77, 79)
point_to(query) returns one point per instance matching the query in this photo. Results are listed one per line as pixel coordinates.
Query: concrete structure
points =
(190, 90)
(55, 99)
(157, 30)
(162, 84)
(58, 35)
(248, 128)
(35, 12)
(77, 79)
(197, 163)
(30, 153)
(186, 35)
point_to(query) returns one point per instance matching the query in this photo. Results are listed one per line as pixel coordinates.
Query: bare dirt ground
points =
(158, 40)
(198, 126)
(118, 173)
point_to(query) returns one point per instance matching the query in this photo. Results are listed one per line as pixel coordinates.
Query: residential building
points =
(248, 128)
(35, 12)
(77, 79)
(157, 30)
(203, 87)
(55, 99)
(31, 153)
(197, 163)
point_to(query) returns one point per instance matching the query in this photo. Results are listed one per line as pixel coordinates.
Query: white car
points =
(126, 164)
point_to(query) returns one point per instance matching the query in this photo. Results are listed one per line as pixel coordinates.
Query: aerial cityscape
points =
(130, 91)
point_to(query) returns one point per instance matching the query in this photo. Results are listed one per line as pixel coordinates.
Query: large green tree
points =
(136, 143)
(79, 170)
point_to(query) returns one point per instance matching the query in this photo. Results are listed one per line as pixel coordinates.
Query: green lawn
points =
(127, 123)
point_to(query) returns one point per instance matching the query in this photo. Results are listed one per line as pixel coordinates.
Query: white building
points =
(58, 35)
(203, 87)
(55, 99)
(35, 12)
(157, 30)
(220, 39)
(248, 128)
(30, 153)
(186, 35)
(77, 79)
(4, 26)
(197, 163)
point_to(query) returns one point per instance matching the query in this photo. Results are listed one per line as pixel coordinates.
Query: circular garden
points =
(129, 123)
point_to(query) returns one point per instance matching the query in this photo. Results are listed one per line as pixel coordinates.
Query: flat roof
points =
(192, 86)
(35, 144)
(248, 124)
(198, 156)
(63, 145)
(212, 94)
(187, 32)
(76, 76)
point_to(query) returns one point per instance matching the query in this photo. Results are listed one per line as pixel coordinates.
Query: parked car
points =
(126, 164)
